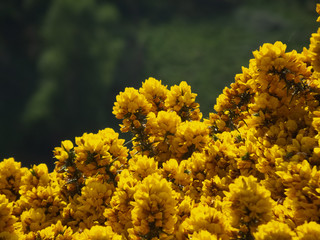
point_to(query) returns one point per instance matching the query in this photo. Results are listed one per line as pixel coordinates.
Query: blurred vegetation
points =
(63, 62)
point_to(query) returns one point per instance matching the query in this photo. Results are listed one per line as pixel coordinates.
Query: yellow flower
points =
(154, 209)
(176, 173)
(302, 191)
(10, 178)
(142, 166)
(116, 147)
(56, 231)
(48, 198)
(318, 11)
(64, 154)
(274, 230)
(7, 219)
(131, 106)
(270, 55)
(203, 235)
(95, 197)
(181, 100)
(102, 153)
(196, 165)
(250, 203)
(162, 128)
(9, 236)
(163, 124)
(34, 219)
(314, 50)
(91, 154)
(97, 233)
(250, 171)
(37, 176)
(190, 137)
(212, 189)
(184, 209)
(119, 214)
(316, 120)
(155, 93)
(308, 231)
(221, 156)
(205, 218)
(281, 74)
(232, 104)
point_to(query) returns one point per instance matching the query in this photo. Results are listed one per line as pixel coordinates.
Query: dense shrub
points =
(249, 171)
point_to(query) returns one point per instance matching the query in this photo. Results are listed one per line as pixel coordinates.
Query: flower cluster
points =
(249, 171)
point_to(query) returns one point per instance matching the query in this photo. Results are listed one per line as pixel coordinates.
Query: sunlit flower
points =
(97, 233)
(11, 173)
(34, 219)
(205, 218)
(181, 100)
(162, 128)
(203, 235)
(64, 155)
(250, 203)
(154, 209)
(119, 215)
(314, 50)
(190, 137)
(302, 191)
(9, 236)
(37, 176)
(95, 197)
(102, 153)
(155, 93)
(249, 171)
(176, 173)
(212, 189)
(56, 231)
(47, 198)
(274, 230)
(7, 219)
(308, 231)
(132, 107)
(142, 166)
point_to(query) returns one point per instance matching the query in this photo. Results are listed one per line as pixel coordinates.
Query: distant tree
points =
(20, 47)
(76, 69)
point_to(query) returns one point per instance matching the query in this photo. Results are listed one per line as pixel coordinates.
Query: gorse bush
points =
(249, 171)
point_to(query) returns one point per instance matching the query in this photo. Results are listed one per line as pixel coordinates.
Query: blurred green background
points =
(62, 62)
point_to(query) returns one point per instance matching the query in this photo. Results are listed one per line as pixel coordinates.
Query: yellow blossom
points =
(11, 174)
(131, 106)
(34, 219)
(181, 100)
(119, 215)
(274, 230)
(97, 233)
(249, 202)
(155, 93)
(308, 231)
(190, 137)
(63, 154)
(9, 236)
(203, 235)
(7, 219)
(56, 231)
(154, 209)
(205, 218)
(249, 171)
(314, 50)
(142, 166)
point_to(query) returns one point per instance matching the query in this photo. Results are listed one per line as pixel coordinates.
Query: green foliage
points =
(78, 61)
